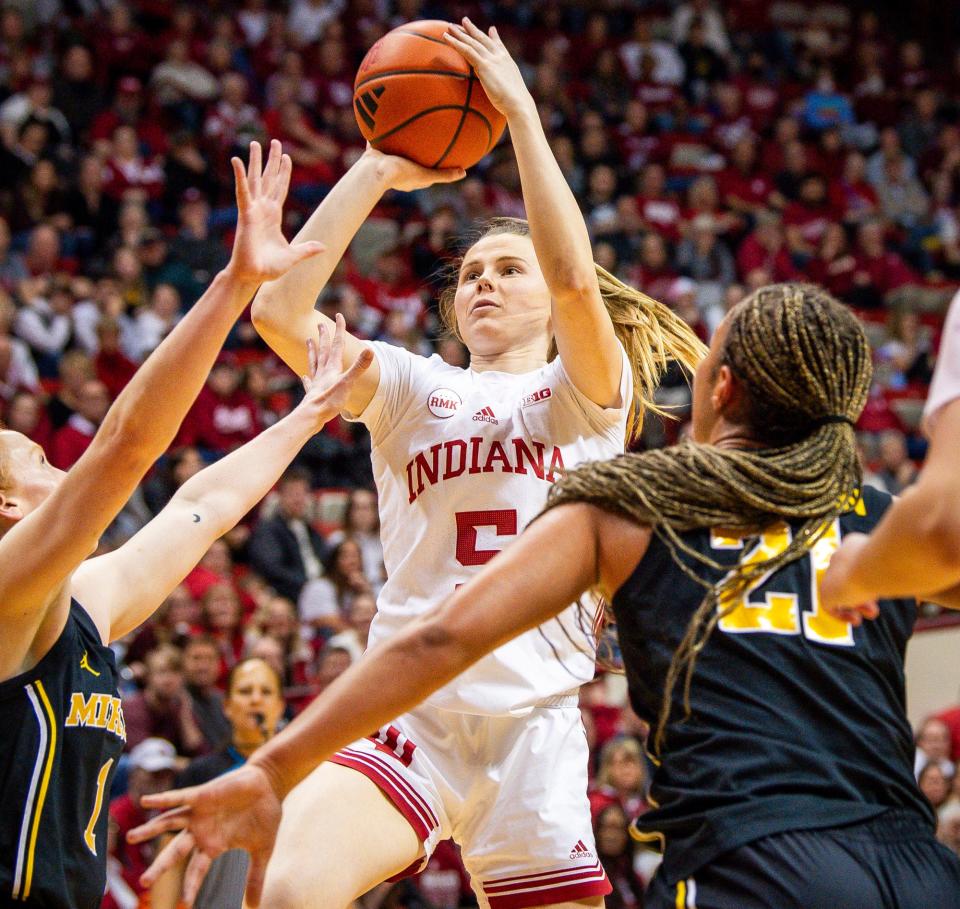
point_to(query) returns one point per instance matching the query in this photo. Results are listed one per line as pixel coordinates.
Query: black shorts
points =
(889, 862)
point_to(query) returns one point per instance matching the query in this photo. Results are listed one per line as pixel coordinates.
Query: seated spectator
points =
(40, 198)
(703, 66)
(13, 267)
(177, 467)
(615, 852)
(825, 107)
(225, 415)
(284, 549)
(890, 149)
(221, 617)
(332, 662)
(895, 471)
(948, 826)
(201, 672)
(92, 213)
(324, 601)
(233, 122)
(254, 707)
(195, 244)
(359, 615)
(933, 747)
(852, 197)
(44, 320)
(361, 523)
(277, 619)
(706, 259)
(806, 220)
(128, 109)
(621, 778)
(162, 709)
(111, 365)
(153, 765)
(654, 274)
(903, 200)
(703, 198)
(834, 266)
(907, 357)
(172, 623)
(765, 248)
(153, 322)
(935, 785)
(181, 85)
(879, 270)
(131, 176)
(25, 414)
(743, 186)
(658, 210)
(76, 91)
(75, 436)
(641, 53)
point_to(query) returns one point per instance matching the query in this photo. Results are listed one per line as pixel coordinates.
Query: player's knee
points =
(286, 888)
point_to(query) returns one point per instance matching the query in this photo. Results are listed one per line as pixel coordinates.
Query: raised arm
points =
(46, 544)
(284, 311)
(574, 548)
(915, 549)
(582, 328)
(133, 581)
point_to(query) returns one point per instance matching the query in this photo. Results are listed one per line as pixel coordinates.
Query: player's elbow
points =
(438, 643)
(262, 311)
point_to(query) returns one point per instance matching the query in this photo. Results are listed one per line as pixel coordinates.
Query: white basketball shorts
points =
(511, 791)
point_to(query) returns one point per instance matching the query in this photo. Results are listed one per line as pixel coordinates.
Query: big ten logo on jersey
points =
(97, 711)
(536, 397)
(443, 402)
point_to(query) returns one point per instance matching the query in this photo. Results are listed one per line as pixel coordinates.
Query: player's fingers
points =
(363, 361)
(305, 250)
(196, 872)
(255, 878)
(177, 819)
(478, 34)
(172, 798)
(870, 609)
(174, 853)
(469, 53)
(283, 178)
(255, 169)
(240, 184)
(274, 161)
(449, 175)
(313, 355)
(335, 353)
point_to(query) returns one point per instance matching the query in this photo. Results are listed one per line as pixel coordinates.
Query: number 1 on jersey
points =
(89, 837)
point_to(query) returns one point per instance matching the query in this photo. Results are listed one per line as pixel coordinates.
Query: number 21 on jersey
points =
(780, 613)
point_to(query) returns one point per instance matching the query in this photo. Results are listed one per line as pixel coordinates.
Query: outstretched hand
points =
(260, 250)
(239, 810)
(839, 594)
(328, 385)
(497, 70)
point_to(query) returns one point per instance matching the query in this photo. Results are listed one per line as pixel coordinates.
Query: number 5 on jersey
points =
(779, 613)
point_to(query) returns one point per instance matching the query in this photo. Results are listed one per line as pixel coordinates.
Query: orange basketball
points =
(415, 96)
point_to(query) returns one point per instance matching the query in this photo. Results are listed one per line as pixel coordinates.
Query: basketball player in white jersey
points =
(916, 547)
(463, 459)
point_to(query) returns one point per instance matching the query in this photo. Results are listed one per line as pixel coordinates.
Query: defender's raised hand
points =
(260, 250)
(328, 385)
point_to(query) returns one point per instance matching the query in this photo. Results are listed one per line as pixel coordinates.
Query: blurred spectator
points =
(153, 764)
(324, 601)
(615, 851)
(359, 615)
(934, 784)
(75, 436)
(708, 17)
(178, 466)
(253, 707)
(194, 244)
(154, 321)
(44, 320)
(621, 778)
(933, 747)
(642, 54)
(361, 523)
(225, 415)
(765, 249)
(201, 671)
(308, 19)
(948, 826)
(284, 548)
(25, 414)
(907, 357)
(163, 709)
(172, 624)
(896, 470)
(76, 91)
(277, 619)
(879, 270)
(221, 617)
(111, 365)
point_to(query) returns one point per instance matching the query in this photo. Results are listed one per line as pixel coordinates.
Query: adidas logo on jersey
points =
(580, 851)
(486, 415)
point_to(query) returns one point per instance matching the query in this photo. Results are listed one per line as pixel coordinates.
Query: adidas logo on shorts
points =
(580, 851)
(486, 415)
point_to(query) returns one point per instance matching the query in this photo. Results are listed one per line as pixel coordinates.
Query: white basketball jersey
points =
(463, 461)
(945, 386)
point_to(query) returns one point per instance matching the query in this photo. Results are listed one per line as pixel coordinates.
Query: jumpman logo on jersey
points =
(85, 664)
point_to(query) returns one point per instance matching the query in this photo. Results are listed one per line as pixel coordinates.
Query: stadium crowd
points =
(713, 148)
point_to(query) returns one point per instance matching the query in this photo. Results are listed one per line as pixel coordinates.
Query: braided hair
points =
(651, 334)
(803, 362)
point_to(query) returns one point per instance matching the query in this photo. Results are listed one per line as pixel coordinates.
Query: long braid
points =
(652, 335)
(804, 366)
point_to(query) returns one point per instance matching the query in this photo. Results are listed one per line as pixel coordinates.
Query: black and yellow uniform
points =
(797, 723)
(63, 734)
